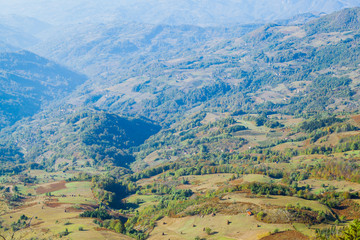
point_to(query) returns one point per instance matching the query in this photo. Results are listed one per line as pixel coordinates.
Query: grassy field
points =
(203, 183)
(258, 178)
(319, 186)
(143, 200)
(52, 215)
(281, 201)
(241, 227)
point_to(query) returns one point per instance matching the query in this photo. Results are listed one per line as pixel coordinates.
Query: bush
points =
(260, 215)
(64, 233)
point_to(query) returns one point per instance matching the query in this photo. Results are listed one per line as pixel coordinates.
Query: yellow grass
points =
(241, 227)
(48, 221)
(281, 201)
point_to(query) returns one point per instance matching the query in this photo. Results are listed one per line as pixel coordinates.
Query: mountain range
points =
(204, 12)
(164, 73)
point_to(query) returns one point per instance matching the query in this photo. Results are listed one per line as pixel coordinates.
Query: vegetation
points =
(351, 232)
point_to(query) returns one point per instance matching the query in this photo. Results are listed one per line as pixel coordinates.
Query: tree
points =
(260, 215)
(208, 230)
(119, 227)
(352, 232)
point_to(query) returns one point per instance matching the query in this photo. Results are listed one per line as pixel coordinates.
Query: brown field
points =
(356, 118)
(348, 209)
(50, 187)
(293, 235)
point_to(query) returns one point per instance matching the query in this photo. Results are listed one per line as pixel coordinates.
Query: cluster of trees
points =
(336, 170)
(99, 213)
(112, 224)
(314, 124)
(351, 232)
(20, 224)
(111, 191)
(267, 189)
(329, 198)
(169, 192)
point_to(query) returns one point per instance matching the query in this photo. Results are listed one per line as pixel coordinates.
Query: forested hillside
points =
(163, 72)
(28, 81)
(274, 69)
(79, 139)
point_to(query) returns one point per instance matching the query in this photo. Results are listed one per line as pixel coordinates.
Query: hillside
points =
(273, 70)
(77, 138)
(28, 81)
(163, 72)
(107, 50)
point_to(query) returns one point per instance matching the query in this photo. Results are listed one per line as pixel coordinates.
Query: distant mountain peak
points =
(345, 20)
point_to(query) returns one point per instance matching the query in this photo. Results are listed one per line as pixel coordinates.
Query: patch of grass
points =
(281, 201)
(77, 200)
(143, 200)
(303, 228)
(76, 188)
(258, 178)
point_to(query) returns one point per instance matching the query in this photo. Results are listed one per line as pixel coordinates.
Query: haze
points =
(202, 12)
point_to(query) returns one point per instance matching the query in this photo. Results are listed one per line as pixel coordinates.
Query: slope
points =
(27, 81)
(165, 71)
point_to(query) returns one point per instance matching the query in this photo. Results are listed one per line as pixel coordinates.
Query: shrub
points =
(64, 233)
(260, 215)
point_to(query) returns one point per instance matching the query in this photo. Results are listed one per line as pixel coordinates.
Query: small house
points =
(248, 212)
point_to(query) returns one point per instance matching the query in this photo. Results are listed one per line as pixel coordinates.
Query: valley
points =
(113, 129)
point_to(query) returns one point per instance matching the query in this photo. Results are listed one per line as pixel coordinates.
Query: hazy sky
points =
(199, 12)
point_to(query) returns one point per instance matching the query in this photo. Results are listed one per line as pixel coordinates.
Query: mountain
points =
(16, 37)
(163, 72)
(28, 81)
(106, 50)
(274, 69)
(346, 20)
(28, 25)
